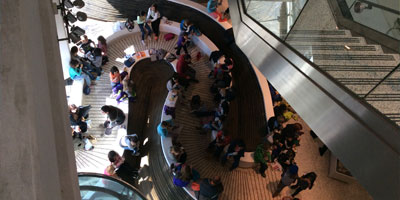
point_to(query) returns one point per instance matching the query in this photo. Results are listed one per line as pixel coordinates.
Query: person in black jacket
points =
(115, 117)
(77, 118)
(306, 181)
(236, 151)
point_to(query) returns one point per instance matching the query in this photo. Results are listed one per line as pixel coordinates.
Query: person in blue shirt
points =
(164, 127)
(132, 143)
(75, 72)
(212, 5)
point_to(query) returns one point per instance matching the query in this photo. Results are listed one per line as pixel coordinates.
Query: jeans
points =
(85, 77)
(142, 26)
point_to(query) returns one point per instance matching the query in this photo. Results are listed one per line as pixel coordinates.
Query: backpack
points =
(130, 25)
(129, 62)
(86, 90)
(169, 36)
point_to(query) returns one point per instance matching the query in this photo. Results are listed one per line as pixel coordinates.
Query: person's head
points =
(102, 40)
(74, 51)
(154, 7)
(185, 35)
(164, 124)
(74, 63)
(187, 58)
(97, 52)
(114, 70)
(85, 38)
(216, 180)
(73, 108)
(113, 156)
(105, 109)
(142, 13)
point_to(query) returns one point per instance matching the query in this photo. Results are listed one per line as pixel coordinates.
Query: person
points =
(110, 171)
(182, 43)
(132, 143)
(184, 70)
(114, 76)
(122, 169)
(210, 189)
(220, 141)
(153, 15)
(236, 151)
(304, 182)
(173, 83)
(259, 157)
(183, 174)
(87, 66)
(164, 127)
(212, 6)
(115, 117)
(87, 45)
(288, 177)
(179, 153)
(96, 58)
(102, 44)
(142, 22)
(186, 26)
(129, 88)
(78, 117)
(75, 72)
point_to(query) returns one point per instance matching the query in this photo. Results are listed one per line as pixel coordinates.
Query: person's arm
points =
(149, 15)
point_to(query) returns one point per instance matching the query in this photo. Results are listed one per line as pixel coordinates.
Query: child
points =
(182, 43)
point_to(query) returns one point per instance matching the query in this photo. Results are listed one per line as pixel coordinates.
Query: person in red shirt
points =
(221, 140)
(185, 71)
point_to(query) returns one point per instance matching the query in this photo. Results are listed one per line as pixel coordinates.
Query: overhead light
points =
(79, 4)
(68, 4)
(81, 16)
(71, 18)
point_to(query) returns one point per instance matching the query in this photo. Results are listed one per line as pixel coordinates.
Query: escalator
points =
(101, 187)
(341, 82)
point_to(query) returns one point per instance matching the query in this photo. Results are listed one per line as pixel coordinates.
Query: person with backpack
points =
(142, 22)
(132, 143)
(154, 16)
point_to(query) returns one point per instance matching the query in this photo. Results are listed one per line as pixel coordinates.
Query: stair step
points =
(355, 68)
(298, 40)
(312, 33)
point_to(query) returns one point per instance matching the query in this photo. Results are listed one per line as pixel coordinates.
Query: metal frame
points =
(365, 141)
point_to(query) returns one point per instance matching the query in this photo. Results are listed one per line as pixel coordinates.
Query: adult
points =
(220, 141)
(75, 72)
(122, 169)
(142, 22)
(87, 66)
(115, 78)
(77, 118)
(96, 59)
(178, 152)
(87, 45)
(153, 15)
(183, 175)
(182, 43)
(259, 157)
(304, 182)
(186, 26)
(102, 44)
(164, 128)
(212, 6)
(185, 71)
(210, 189)
(236, 151)
(288, 177)
(132, 143)
(115, 117)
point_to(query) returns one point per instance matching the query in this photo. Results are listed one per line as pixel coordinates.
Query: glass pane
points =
(276, 16)
(380, 15)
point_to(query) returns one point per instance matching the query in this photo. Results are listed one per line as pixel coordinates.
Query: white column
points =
(36, 156)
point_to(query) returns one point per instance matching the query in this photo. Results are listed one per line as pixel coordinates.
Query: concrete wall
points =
(36, 157)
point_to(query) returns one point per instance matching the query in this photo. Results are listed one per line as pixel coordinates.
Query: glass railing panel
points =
(98, 186)
(277, 16)
(380, 15)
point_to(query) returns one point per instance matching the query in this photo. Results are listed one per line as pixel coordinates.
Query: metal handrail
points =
(381, 81)
(127, 185)
(380, 6)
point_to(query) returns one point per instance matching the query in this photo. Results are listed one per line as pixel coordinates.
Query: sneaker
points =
(144, 43)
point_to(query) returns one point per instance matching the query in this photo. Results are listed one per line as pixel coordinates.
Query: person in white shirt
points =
(154, 17)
